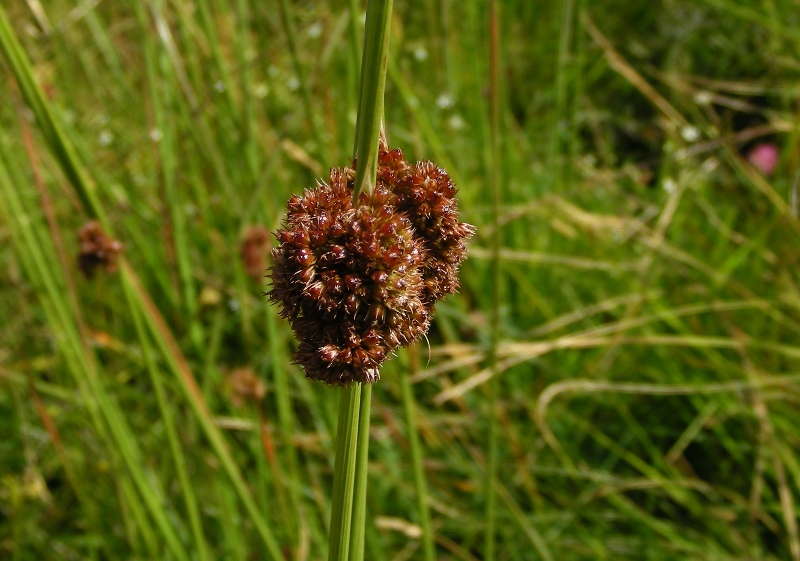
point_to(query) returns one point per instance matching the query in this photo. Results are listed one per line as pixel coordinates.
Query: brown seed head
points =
(357, 281)
(253, 251)
(245, 386)
(97, 249)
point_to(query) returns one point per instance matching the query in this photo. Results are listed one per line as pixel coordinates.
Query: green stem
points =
(370, 92)
(348, 511)
(161, 102)
(344, 472)
(189, 497)
(280, 380)
(360, 495)
(495, 168)
(416, 457)
(63, 149)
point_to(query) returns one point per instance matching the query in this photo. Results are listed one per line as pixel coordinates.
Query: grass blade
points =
(495, 167)
(412, 434)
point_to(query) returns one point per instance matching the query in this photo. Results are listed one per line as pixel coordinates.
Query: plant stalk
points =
(370, 93)
(348, 511)
(495, 169)
(420, 486)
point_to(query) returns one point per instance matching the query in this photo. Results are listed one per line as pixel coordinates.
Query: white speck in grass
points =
(315, 30)
(260, 90)
(445, 101)
(233, 304)
(105, 138)
(272, 71)
(669, 185)
(702, 98)
(219, 86)
(293, 83)
(421, 53)
(156, 135)
(690, 133)
(69, 116)
(457, 123)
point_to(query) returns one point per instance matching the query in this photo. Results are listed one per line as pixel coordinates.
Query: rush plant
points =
(362, 260)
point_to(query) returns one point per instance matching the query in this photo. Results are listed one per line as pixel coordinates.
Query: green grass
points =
(643, 314)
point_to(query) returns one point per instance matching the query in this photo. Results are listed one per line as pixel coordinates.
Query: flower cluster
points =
(97, 249)
(358, 279)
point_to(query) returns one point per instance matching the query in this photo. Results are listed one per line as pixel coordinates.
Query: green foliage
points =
(649, 312)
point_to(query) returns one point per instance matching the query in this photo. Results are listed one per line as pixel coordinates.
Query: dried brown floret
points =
(358, 280)
(253, 251)
(97, 249)
(245, 386)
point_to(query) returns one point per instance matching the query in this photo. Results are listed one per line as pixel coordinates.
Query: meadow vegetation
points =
(644, 391)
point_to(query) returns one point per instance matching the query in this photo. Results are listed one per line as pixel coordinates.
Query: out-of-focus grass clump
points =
(649, 319)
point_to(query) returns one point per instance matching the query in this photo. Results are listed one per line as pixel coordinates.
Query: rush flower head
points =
(245, 386)
(97, 249)
(357, 280)
(253, 251)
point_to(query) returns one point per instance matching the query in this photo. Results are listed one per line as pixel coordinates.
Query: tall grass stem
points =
(420, 486)
(495, 170)
(348, 511)
(344, 472)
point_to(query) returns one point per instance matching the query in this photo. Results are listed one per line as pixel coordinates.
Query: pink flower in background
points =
(765, 157)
